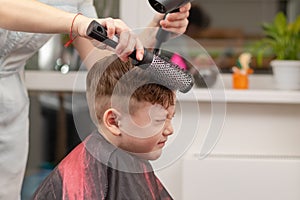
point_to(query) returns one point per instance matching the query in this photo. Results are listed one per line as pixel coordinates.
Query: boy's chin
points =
(154, 155)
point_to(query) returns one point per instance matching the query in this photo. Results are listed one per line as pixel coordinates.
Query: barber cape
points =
(96, 169)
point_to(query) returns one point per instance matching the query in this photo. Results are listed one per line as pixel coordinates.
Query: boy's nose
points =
(168, 129)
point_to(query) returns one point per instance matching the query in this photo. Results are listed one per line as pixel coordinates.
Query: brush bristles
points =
(170, 75)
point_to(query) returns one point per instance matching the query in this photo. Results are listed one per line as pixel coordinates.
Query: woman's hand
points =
(174, 22)
(127, 42)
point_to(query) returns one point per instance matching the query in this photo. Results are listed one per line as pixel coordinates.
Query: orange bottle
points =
(240, 80)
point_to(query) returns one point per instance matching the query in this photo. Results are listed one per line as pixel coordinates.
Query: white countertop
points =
(242, 96)
(261, 88)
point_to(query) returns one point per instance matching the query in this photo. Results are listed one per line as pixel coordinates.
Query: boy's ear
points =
(111, 121)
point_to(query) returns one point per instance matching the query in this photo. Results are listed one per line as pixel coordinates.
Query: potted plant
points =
(282, 40)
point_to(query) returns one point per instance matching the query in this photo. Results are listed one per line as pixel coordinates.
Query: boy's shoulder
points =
(111, 156)
(85, 164)
(98, 147)
(96, 150)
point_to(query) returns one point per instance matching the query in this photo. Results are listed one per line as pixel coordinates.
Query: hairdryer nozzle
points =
(166, 6)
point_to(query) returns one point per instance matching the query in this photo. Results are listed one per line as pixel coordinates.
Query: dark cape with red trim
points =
(96, 169)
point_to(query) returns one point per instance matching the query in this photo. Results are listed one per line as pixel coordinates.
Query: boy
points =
(133, 116)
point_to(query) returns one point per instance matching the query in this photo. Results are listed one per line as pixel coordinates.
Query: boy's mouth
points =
(162, 142)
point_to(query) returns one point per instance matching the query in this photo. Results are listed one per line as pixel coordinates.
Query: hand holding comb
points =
(166, 73)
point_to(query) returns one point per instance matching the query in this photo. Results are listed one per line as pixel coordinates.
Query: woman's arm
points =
(34, 16)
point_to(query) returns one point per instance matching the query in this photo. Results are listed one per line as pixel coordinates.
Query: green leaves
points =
(281, 39)
(280, 24)
(295, 27)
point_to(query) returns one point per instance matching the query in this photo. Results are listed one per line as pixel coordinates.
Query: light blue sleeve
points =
(87, 8)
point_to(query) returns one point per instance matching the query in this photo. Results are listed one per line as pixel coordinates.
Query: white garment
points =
(15, 49)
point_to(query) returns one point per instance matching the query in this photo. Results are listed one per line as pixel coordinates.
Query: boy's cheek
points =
(132, 129)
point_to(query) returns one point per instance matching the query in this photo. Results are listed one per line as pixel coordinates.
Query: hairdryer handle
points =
(98, 32)
(162, 35)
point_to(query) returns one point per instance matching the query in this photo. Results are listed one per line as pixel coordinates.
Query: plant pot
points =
(286, 74)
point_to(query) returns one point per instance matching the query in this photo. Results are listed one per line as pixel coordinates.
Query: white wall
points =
(244, 14)
(250, 129)
(293, 9)
(136, 13)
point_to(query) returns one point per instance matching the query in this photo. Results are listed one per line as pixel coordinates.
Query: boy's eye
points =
(160, 120)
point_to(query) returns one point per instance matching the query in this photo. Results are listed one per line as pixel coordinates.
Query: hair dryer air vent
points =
(166, 6)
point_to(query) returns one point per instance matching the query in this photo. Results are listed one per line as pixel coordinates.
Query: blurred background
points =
(225, 29)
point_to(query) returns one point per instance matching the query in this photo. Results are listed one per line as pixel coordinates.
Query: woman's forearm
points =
(33, 16)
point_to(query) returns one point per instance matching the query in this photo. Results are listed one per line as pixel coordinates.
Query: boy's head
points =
(130, 109)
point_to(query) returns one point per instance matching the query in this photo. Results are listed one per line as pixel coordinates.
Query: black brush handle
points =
(98, 32)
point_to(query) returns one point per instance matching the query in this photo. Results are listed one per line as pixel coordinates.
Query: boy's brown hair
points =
(111, 78)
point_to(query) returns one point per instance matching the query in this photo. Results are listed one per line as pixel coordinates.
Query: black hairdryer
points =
(165, 6)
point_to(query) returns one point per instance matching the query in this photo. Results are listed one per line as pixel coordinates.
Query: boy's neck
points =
(108, 135)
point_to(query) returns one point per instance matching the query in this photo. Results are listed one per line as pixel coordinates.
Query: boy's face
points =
(145, 132)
